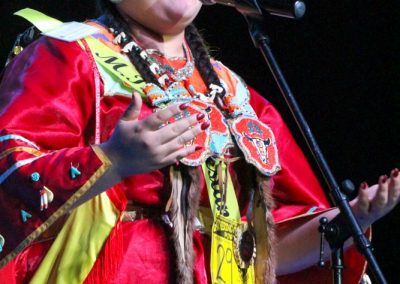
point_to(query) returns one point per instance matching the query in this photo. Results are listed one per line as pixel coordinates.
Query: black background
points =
(342, 63)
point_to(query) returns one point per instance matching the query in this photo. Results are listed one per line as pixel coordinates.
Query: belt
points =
(134, 213)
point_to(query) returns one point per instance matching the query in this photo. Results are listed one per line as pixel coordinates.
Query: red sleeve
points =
(47, 113)
(298, 194)
(296, 188)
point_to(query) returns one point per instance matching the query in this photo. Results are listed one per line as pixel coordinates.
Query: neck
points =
(169, 45)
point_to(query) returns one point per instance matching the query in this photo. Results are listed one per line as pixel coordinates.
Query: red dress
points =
(53, 107)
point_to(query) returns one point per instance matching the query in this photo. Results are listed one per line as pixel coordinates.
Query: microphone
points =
(294, 9)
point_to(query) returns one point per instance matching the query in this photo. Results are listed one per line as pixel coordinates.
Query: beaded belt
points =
(134, 213)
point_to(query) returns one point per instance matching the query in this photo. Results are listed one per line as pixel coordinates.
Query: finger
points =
(181, 153)
(180, 130)
(363, 199)
(157, 119)
(381, 197)
(181, 141)
(394, 186)
(186, 137)
(133, 110)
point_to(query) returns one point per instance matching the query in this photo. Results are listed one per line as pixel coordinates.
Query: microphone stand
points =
(345, 224)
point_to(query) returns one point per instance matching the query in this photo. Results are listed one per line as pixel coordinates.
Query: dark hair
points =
(193, 38)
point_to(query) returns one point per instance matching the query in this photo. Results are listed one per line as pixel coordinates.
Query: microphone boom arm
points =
(294, 9)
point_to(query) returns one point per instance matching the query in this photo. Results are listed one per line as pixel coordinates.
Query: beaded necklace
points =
(165, 74)
(180, 74)
(173, 84)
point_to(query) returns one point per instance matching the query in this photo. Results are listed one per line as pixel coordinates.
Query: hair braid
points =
(201, 57)
(115, 21)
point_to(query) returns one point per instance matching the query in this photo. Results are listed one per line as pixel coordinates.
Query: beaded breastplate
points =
(233, 122)
(237, 125)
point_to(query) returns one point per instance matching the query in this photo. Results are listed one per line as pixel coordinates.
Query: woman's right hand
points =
(139, 146)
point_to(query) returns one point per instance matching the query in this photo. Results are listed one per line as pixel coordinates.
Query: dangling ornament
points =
(74, 172)
(25, 216)
(46, 197)
(2, 242)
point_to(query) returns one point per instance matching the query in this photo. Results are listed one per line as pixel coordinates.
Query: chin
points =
(183, 10)
(178, 19)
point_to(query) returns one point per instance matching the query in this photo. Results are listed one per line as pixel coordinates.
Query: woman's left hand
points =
(376, 201)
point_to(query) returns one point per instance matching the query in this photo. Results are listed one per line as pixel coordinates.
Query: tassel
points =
(46, 197)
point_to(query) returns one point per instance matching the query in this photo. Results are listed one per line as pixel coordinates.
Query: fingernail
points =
(183, 106)
(197, 148)
(205, 125)
(395, 172)
(383, 179)
(364, 185)
(200, 116)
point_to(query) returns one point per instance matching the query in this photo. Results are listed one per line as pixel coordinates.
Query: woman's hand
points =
(139, 146)
(296, 252)
(376, 201)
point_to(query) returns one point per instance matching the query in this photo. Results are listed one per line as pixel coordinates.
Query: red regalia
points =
(55, 103)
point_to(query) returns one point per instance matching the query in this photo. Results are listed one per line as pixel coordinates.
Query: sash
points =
(232, 243)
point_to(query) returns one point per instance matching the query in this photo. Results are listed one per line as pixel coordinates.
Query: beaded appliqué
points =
(215, 140)
(254, 138)
(257, 142)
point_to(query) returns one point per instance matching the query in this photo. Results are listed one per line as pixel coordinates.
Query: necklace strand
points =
(161, 71)
(166, 75)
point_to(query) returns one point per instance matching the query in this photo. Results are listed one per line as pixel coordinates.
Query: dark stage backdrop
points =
(342, 62)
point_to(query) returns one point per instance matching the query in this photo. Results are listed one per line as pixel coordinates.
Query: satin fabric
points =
(48, 96)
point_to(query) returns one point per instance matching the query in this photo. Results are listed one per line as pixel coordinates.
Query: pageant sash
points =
(113, 62)
(229, 236)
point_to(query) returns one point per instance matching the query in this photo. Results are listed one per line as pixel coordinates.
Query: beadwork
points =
(2, 242)
(74, 172)
(35, 176)
(157, 68)
(166, 75)
(25, 216)
(46, 197)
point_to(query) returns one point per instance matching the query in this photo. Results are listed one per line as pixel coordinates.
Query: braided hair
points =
(192, 36)
(114, 20)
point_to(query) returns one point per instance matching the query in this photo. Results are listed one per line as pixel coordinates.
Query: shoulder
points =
(60, 49)
(226, 74)
(46, 51)
(47, 68)
(234, 80)
(231, 81)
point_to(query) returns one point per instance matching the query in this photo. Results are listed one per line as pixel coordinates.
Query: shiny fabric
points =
(48, 96)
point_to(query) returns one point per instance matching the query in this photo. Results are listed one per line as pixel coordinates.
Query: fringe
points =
(109, 259)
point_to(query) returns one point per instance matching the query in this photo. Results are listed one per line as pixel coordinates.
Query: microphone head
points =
(208, 2)
(299, 9)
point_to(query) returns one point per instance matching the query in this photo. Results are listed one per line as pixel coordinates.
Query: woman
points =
(176, 188)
